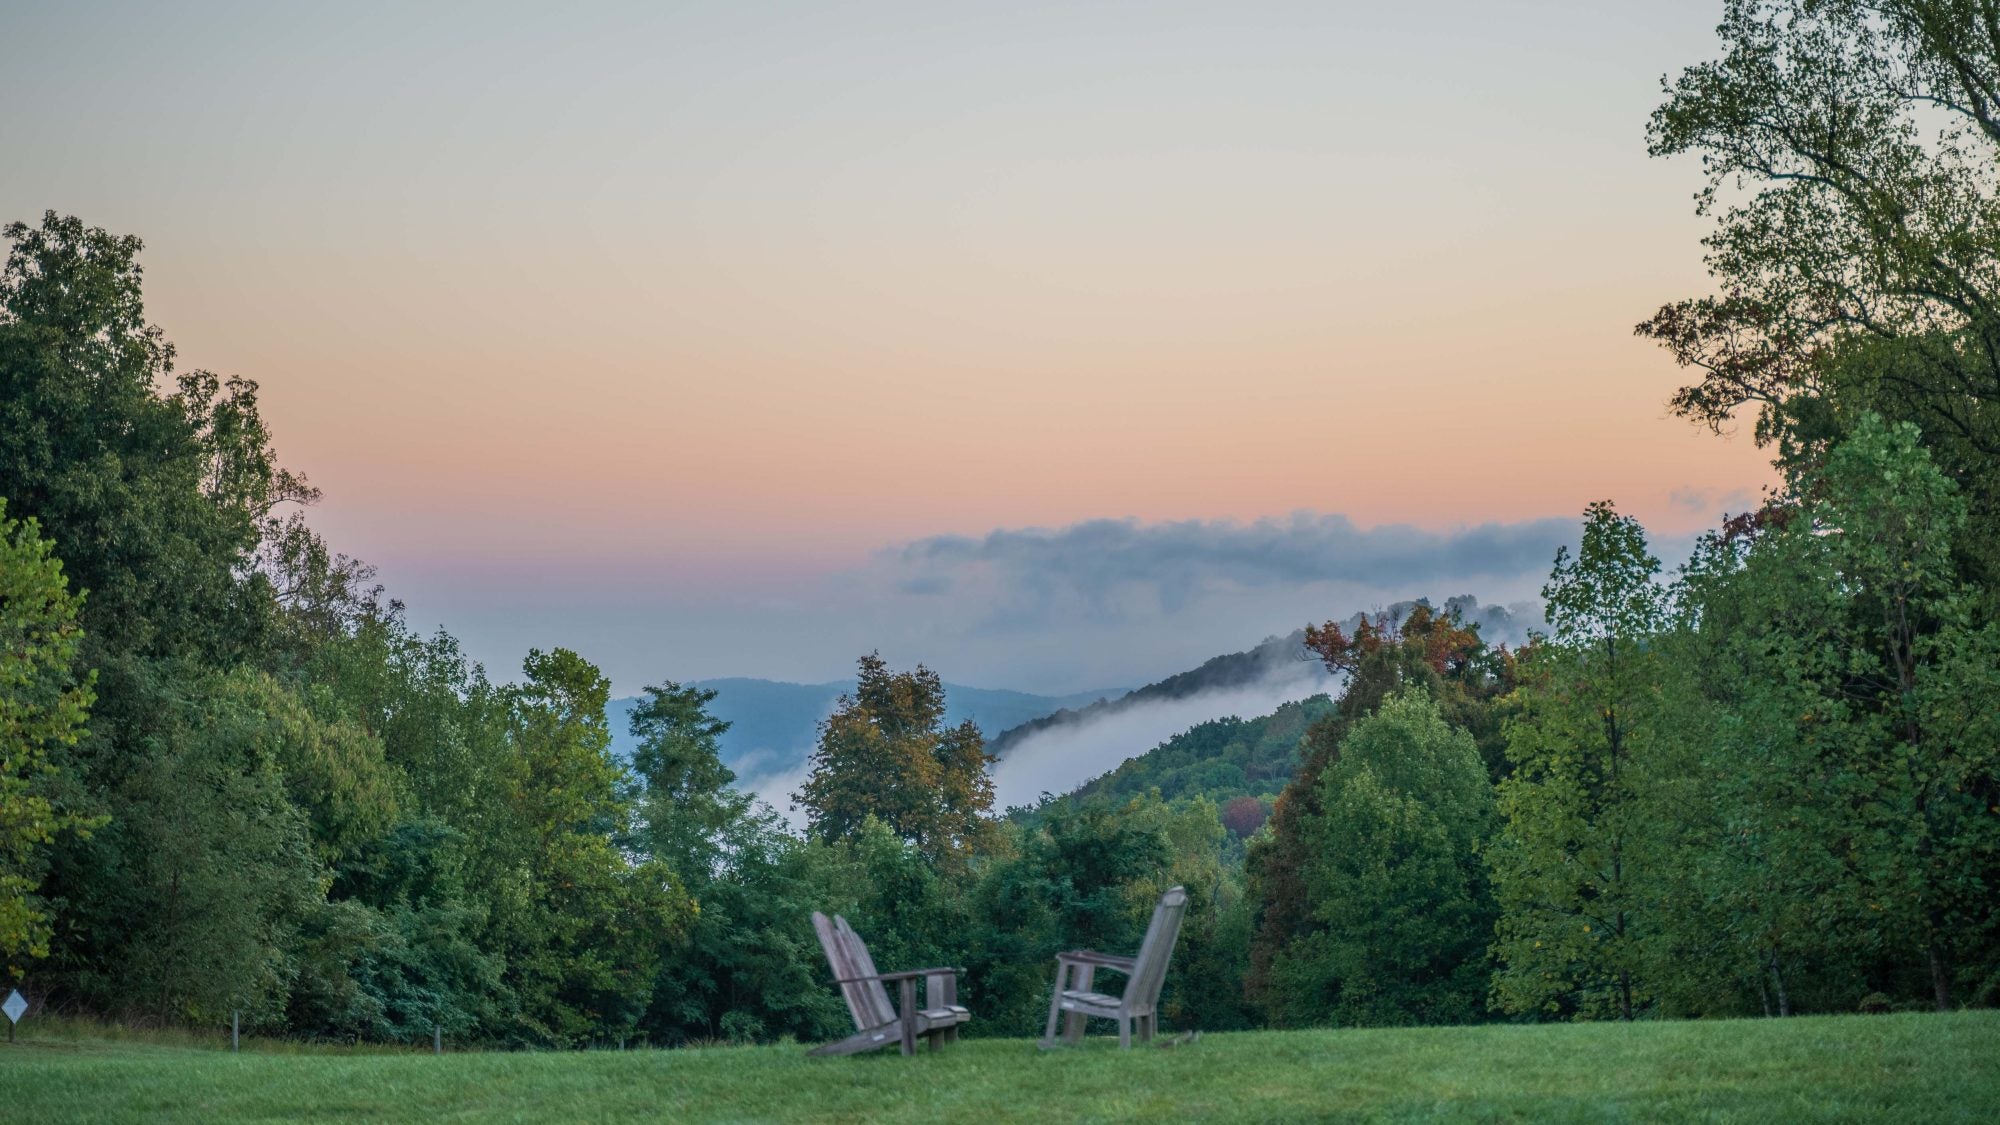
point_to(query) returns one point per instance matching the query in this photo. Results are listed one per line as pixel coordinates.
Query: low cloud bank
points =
(1060, 758)
(1113, 570)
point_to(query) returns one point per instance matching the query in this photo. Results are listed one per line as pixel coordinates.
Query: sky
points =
(1057, 346)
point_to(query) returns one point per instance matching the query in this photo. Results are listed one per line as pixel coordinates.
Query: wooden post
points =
(437, 1038)
(235, 1020)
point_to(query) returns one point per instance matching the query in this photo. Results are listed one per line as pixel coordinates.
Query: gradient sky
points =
(677, 334)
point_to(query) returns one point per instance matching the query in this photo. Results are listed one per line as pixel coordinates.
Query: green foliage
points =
(211, 868)
(885, 753)
(1394, 884)
(685, 804)
(1570, 865)
(1218, 759)
(1849, 148)
(1435, 653)
(1087, 876)
(153, 502)
(43, 707)
(1851, 776)
(579, 925)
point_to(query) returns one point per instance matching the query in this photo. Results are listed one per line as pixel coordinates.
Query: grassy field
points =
(1896, 1068)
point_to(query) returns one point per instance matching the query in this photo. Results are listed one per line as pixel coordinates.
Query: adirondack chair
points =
(1074, 1000)
(876, 1022)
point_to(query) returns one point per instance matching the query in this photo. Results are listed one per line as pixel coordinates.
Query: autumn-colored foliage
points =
(1244, 815)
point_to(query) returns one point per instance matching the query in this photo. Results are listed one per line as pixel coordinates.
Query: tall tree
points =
(155, 489)
(1437, 653)
(886, 753)
(1849, 148)
(1395, 885)
(1904, 670)
(582, 930)
(684, 802)
(1569, 866)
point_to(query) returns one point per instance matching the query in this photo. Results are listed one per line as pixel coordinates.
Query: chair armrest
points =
(1099, 960)
(899, 976)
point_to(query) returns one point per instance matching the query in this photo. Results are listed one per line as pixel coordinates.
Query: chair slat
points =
(876, 997)
(1142, 995)
(859, 1003)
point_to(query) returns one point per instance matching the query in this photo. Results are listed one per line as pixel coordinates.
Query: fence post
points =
(437, 1038)
(235, 1027)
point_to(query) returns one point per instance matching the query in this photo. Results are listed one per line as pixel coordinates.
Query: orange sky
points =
(712, 297)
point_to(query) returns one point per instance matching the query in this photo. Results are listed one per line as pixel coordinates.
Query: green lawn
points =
(1901, 1067)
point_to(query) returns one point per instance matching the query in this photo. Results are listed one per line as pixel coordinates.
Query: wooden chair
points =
(1139, 1002)
(876, 1022)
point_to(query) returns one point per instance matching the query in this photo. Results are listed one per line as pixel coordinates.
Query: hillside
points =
(1915, 1067)
(1219, 759)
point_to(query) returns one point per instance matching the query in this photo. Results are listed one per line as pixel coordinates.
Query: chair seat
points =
(1073, 997)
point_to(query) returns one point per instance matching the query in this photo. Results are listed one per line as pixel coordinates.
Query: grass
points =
(1894, 1068)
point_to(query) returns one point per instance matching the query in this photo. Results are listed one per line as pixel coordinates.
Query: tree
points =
(683, 797)
(582, 929)
(44, 704)
(1395, 885)
(154, 488)
(1901, 676)
(1849, 148)
(209, 870)
(886, 753)
(1570, 864)
(1435, 652)
(154, 502)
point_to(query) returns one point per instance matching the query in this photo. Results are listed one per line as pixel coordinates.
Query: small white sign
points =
(15, 1007)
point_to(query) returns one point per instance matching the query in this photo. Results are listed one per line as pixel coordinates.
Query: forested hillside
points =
(1240, 764)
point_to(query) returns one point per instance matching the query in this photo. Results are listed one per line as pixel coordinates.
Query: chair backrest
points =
(857, 951)
(1150, 972)
(867, 1001)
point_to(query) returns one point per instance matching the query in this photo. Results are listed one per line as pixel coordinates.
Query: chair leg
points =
(1055, 1006)
(1146, 1028)
(1081, 977)
(909, 1017)
(1124, 1033)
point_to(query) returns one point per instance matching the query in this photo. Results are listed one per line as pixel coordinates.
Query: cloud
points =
(1712, 502)
(1108, 603)
(1114, 571)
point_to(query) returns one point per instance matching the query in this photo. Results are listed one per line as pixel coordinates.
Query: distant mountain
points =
(774, 724)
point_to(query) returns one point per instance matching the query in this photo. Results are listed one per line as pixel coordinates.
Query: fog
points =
(1063, 757)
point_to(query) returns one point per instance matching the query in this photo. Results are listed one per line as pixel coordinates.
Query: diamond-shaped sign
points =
(15, 1007)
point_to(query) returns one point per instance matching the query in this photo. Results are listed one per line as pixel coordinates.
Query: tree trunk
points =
(1778, 983)
(1940, 977)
